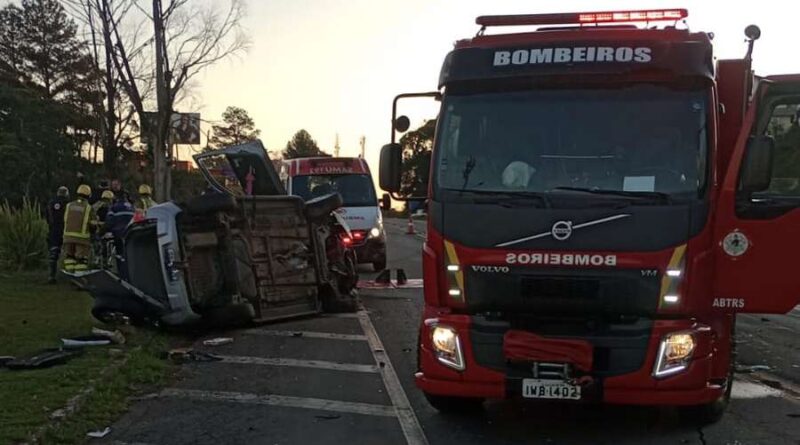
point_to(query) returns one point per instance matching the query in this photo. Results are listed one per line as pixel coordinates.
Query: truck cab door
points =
(757, 224)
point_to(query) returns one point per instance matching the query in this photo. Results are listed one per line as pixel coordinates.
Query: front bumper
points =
(373, 250)
(695, 385)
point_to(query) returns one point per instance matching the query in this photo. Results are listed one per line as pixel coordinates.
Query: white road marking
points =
(405, 414)
(282, 401)
(318, 364)
(306, 334)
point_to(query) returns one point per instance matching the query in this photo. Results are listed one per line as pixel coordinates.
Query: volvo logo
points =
(561, 230)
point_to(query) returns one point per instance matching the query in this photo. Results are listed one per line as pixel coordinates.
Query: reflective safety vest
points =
(77, 217)
(144, 203)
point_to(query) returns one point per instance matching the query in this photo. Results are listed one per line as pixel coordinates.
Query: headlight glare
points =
(674, 354)
(375, 232)
(447, 347)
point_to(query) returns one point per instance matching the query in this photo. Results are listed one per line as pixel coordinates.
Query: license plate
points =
(550, 389)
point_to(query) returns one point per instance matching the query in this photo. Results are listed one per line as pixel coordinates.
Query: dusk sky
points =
(334, 66)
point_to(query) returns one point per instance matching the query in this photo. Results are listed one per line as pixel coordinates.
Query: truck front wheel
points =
(712, 412)
(455, 405)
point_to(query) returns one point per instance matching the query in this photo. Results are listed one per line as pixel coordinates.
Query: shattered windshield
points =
(639, 139)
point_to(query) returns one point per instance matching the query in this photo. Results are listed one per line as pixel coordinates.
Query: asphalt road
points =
(349, 380)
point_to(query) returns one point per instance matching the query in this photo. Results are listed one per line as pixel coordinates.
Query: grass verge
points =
(34, 316)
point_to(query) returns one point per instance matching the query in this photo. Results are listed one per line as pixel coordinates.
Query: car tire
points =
(455, 405)
(234, 315)
(106, 309)
(334, 301)
(211, 203)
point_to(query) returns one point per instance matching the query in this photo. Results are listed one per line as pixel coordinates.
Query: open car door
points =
(757, 227)
(241, 170)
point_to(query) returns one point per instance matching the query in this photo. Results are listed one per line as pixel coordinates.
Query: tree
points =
(417, 146)
(46, 98)
(302, 145)
(188, 36)
(238, 128)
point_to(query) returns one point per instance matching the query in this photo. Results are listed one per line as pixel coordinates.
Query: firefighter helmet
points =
(145, 189)
(63, 192)
(84, 190)
(107, 194)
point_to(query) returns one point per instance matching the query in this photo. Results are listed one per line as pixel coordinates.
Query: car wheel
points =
(334, 301)
(233, 315)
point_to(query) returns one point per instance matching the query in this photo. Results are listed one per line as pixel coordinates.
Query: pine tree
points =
(302, 145)
(238, 128)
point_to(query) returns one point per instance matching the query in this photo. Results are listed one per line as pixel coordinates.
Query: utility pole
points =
(160, 167)
(336, 147)
(362, 141)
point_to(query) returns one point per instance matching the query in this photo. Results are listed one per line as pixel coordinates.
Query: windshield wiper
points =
(650, 196)
(468, 167)
(508, 198)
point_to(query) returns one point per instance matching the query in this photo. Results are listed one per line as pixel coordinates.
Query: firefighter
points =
(119, 192)
(145, 200)
(55, 232)
(117, 220)
(78, 222)
(103, 204)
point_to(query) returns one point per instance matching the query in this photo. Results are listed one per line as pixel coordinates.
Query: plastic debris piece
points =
(99, 434)
(115, 336)
(219, 341)
(5, 359)
(43, 359)
(753, 368)
(85, 340)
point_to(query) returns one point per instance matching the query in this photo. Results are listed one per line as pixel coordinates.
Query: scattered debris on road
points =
(753, 368)
(43, 359)
(115, 336)
(219, 341)
(99, 434)
(183, 355)
(85, 340)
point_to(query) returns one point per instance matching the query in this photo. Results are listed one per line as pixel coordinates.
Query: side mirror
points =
(391, 167)
(386, 201)
(757, 171)
(401, 124)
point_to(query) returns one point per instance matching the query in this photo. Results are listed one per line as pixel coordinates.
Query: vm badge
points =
(561, 230)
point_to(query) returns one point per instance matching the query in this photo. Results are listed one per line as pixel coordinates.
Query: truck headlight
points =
(375, 232)
(447, 347)
(674, 354)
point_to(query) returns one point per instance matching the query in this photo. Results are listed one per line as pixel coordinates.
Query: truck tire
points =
(712, 412)
(455, 405)
(106, 309)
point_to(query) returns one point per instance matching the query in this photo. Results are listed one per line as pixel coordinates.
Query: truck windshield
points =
(356, 190)
(645, 139)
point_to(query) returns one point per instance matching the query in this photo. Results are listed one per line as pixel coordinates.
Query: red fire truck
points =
(604, 198)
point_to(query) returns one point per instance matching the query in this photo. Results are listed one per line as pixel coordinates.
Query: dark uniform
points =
(55, 232)
(117, 220)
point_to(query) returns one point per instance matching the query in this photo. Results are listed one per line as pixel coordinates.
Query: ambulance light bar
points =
(651, 15)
